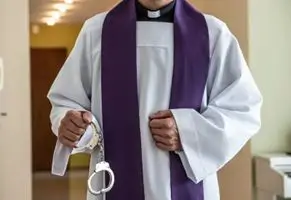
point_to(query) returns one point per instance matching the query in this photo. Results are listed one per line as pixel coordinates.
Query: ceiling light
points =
(56, 15)
(62, 7)
(69, 1)
(51, 22)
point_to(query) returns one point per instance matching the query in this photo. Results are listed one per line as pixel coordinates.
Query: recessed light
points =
(56, 15)
(62, 7)
(51, 22)
(69, 1)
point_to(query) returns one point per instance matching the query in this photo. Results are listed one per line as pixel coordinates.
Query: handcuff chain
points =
(100, 143)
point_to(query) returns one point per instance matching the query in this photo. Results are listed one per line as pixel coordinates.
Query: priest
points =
(171, 92)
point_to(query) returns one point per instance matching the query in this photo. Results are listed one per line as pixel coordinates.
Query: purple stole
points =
(120, 98)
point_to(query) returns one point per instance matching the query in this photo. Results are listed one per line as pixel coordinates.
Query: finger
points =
(70, 135)
(72, 127)
(161, 114)
(67, 142)
(167, 148)
(87, 117)
(163, 146)
(159, 139)
(77, 118)
(165, 133)
(170, 141)
(76, 130)
(162, 123)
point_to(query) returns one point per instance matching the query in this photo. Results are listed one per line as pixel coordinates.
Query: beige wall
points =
(234, 14)
(60, 35)
(236, 177)
(270, 59)
(15, 155)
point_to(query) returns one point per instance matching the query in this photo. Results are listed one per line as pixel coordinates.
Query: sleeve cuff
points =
(62, 153)
(190, 156)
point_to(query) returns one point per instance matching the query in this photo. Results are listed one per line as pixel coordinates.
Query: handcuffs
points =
(102, 165)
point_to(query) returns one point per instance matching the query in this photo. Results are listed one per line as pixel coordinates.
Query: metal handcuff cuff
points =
(102, 165)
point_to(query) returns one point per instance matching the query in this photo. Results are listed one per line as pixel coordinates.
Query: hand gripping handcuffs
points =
(102, 165)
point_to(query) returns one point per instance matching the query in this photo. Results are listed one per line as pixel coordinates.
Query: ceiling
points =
(42, 11)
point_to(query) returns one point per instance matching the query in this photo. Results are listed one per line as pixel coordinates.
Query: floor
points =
(70, 187)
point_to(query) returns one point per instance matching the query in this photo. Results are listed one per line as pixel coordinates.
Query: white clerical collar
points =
(165, 14)
(154, 14)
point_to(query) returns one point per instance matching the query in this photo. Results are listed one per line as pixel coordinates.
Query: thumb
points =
(161, 114)
(87, 117)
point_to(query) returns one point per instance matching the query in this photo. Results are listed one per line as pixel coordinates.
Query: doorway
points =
(45, 65)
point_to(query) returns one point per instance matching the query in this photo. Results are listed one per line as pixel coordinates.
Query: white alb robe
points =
(230, 107)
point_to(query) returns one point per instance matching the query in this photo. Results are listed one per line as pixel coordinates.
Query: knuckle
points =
(169, 133)
(169, 123)
(69, 113)
(173, 133)
(172, 122)
(72, 114)
(79, 131)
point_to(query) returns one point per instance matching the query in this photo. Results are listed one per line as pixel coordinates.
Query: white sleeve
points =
(71, 90)
(210, 139)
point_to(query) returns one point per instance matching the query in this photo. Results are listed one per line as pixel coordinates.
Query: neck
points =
(155, 4)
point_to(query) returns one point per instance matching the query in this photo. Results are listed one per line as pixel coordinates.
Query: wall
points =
(239, 170)
(15, 129)
(234, 14)
(64, 36)
(270, 58)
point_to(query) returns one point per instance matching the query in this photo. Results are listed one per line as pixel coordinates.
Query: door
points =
(45, 65)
